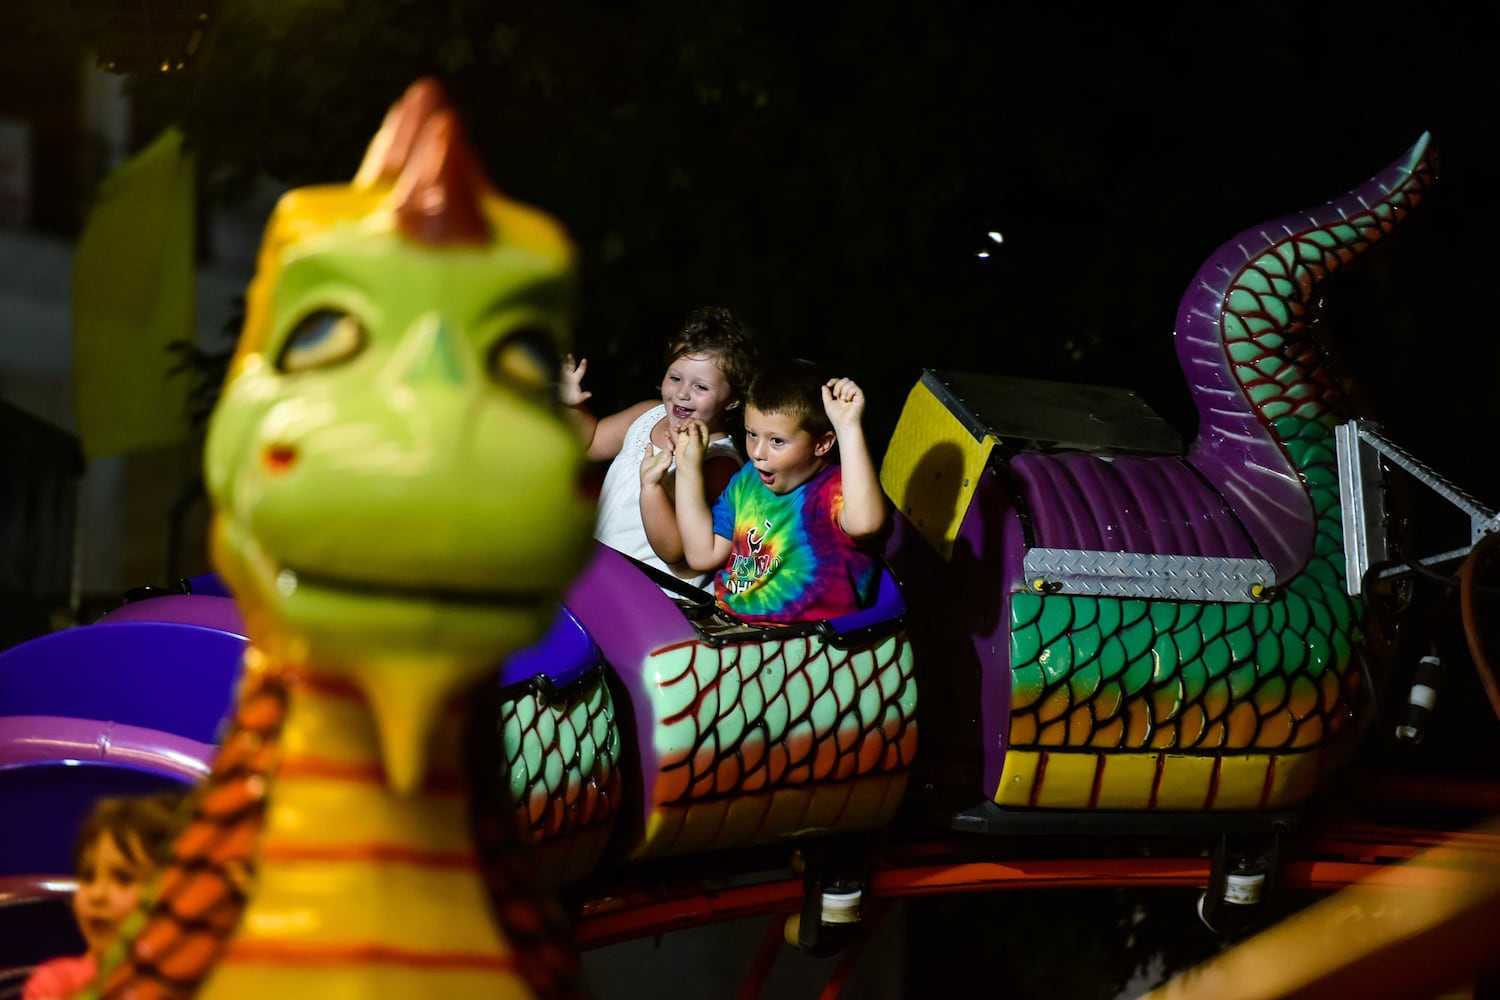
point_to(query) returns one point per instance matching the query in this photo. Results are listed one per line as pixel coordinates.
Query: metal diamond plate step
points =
(1133, 574)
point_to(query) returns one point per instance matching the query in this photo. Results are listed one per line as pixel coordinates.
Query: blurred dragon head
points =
(396, 492)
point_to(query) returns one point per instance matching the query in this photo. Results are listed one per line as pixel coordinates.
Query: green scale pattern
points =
(758, 716)
(562, 760)
(1135, 674)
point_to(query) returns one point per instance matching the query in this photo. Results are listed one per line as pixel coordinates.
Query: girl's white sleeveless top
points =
(618, 521)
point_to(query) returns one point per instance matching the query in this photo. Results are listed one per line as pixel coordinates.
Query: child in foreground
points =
(115, 857)
(794, 533)
(708, 362)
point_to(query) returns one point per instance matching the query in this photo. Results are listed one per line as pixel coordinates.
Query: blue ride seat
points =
(563, 656)
(885, 614)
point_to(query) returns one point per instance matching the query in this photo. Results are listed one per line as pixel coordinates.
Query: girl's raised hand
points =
(654, 464)
(692, 440)
(570, 390)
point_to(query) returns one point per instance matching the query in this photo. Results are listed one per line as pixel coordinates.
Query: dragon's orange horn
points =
(438, 193)
(392, 145)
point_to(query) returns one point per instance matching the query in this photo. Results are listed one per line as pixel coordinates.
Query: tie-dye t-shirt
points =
(790, 560)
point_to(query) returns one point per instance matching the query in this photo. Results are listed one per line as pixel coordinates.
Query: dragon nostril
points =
(280, 457)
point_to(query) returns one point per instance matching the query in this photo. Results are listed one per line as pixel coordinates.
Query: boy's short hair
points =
(151, 819)
(715, 330)
(792, 387)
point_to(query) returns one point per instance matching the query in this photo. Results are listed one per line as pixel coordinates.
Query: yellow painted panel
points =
(133, 295)
(861, 804)
(931, 466)
(1017, 778)
(789, 808)
(1295, 777)
(746, 819)
(663, 826)
(895, 791)
(1241, 782)
(702, 827)
(825, 807)
(1184, 781)
(1127, 780)
(1068, 781)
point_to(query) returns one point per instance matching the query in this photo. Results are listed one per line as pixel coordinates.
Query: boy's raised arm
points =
(864, 502)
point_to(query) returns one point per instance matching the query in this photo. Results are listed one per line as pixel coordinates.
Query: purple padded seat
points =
(563, 654)
(53, 769)
(126, 706)
(1149, 505)
(168, 675)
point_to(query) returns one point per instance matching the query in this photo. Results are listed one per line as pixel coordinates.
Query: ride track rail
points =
(1425, 833)
(1398, 831)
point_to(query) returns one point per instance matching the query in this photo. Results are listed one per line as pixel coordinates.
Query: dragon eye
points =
(321, 338)
(526, 357)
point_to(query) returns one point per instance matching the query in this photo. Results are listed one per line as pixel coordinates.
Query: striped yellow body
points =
(360, 892)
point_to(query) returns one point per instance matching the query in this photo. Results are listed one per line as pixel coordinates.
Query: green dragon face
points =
(396, 491)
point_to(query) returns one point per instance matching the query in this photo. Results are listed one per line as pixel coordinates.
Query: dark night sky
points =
(837, 187)
(1133, 151)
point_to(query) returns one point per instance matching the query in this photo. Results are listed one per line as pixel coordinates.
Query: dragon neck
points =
(1266, 401)
(395, 880)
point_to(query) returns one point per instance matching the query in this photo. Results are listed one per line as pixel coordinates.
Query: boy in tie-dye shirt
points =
(794, 536)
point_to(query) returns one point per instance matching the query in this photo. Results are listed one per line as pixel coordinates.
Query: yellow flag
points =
(133, 294)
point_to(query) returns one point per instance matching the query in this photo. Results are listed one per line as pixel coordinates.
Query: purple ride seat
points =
(127, 706)
(1150, 505)
(166, 663)
(563, 654)
(52, 771)
(134, 703)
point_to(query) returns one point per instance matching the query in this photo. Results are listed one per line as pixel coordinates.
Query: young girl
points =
(115, 857)
(709, 362)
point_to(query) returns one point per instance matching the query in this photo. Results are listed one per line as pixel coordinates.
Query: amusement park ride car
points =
(1086, 639)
